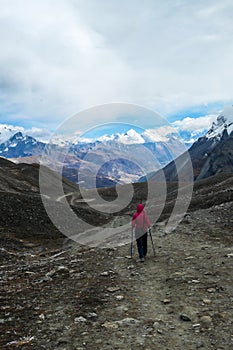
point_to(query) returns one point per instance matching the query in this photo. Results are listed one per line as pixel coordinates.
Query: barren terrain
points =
(56, 294)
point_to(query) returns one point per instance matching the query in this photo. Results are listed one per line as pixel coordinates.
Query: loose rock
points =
(184, 317)
(80, 319)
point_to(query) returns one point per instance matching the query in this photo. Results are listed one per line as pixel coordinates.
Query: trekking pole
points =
(131, 245)
(152, 243)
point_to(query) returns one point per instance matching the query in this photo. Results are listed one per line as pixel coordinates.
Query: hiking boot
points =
(142, 260)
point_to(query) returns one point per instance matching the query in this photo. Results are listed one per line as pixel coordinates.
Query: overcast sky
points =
(60, 57)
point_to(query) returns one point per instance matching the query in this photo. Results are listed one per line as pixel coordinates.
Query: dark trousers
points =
(142, 246)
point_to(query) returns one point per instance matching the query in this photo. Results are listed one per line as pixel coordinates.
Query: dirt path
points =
(184, 296)
(77, 298)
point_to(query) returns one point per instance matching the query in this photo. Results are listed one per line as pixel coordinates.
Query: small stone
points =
(91, 315)
(211, 290)
(119, 297)
(62, 341)
(113, 289)
(29, 273)
(110, 325)
(166, 301)
(44, 279)
(196, 325)
(206, 319)
(127, 321)
(42, 316)
(155, 324)
(61, 270)
(184, 317)
(206, 301)
(105, 273)
(130, 267)
(80, 319)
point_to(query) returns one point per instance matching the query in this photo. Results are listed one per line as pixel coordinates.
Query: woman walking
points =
(140, 224)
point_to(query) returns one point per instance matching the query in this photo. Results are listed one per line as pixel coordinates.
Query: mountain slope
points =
(219, 160)
(22, 178)
(21, 209)
(217, 142)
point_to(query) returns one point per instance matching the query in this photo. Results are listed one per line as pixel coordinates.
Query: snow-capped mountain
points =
(7, 131)
(120, 157)
(211, 153)
(20, 145)
(223, 125)
(161, 134)
(189, 137)
(219, 157)
(221, 129)
(117, 158)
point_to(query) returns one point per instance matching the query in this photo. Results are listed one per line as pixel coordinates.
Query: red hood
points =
(140, 208)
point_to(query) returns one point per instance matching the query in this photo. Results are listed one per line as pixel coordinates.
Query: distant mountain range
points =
(115, 159)
(128, 157)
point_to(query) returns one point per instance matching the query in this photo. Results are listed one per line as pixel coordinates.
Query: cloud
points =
(159, 134)
(38, 133)
(58, 58)
(195, 124)
(131, 137)
(190, 129)
(7, 130)
(53, 63)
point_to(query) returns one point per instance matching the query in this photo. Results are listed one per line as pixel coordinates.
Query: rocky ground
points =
(58, 295)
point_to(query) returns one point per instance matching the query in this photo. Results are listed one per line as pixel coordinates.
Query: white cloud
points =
(131, 137)
(159, 134)
(195, 124)
(39, 133)
(58, 58)
(6, 131)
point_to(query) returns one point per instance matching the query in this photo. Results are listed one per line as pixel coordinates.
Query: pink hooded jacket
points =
(140, 219)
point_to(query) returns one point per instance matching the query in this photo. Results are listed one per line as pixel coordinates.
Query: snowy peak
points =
(162, 134)
(223, 127)
(130, 137)
(20, 145)
(6, 132)
(19, 138)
